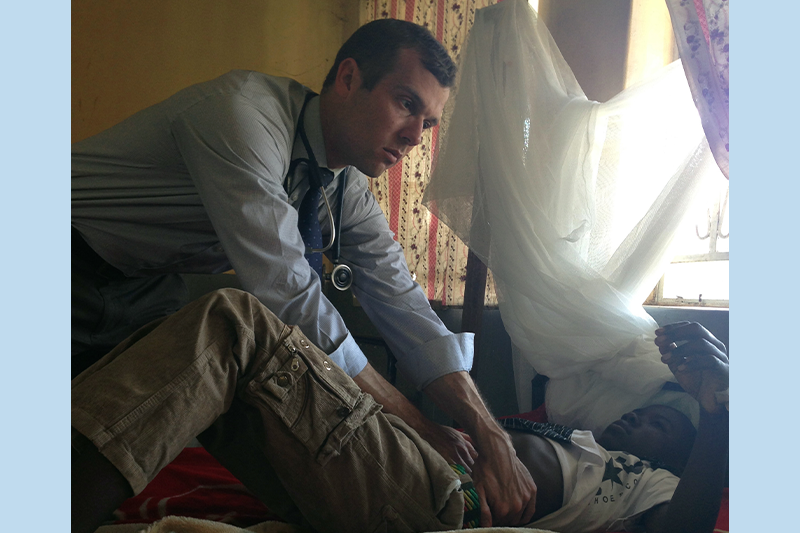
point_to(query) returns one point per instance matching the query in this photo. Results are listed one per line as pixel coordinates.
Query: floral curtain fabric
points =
(435, 255)
(702, 33)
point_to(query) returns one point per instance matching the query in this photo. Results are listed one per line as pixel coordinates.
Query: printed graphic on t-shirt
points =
(619, 478)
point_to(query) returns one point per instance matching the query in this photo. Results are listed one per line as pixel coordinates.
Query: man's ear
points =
(348, 77)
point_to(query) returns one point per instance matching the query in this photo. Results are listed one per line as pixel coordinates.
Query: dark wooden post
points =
(474, 298)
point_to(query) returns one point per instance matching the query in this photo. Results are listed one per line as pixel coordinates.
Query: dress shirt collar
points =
(313, 128)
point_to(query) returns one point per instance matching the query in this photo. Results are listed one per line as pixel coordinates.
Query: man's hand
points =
(700, 364)
(505, 487)
(454, 446)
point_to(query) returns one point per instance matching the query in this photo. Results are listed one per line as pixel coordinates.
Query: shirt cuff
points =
(434, 359)
(349, 357)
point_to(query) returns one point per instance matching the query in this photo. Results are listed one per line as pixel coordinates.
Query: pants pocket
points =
(314, 398)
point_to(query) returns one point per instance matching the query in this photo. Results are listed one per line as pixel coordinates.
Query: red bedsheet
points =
(195, 485)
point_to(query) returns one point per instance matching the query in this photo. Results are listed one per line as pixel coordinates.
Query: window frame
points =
(716, 216)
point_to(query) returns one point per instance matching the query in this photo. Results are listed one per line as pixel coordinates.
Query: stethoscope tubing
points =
(330, 221)
(313, 167)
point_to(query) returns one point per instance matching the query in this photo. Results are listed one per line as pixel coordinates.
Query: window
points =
(698, 273)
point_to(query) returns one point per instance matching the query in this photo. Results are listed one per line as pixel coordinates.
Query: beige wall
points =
(593, 38)
(610, 44)
(129, 54)
(652, 42)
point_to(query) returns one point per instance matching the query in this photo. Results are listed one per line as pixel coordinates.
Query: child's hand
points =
(699, 363)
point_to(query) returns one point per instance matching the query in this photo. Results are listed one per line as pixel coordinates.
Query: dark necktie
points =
(308, 216)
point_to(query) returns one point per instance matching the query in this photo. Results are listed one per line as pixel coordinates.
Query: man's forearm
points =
(393, 401)
(457, 395)
(507, 492)
(506, 489)
(454, 393)
(451, 444)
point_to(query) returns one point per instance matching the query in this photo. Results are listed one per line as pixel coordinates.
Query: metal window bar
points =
(714, 233)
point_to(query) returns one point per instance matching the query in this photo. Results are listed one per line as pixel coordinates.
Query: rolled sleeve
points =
(437, 358)
(349, 357)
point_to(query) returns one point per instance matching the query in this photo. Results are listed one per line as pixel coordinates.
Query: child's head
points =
(656, 432)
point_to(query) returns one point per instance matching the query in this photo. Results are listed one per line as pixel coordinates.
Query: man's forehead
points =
(409, 69)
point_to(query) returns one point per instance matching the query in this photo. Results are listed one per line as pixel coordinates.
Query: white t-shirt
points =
(604, 491)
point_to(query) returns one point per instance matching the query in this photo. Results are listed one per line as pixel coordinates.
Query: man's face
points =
(384, 124)
(655, 432)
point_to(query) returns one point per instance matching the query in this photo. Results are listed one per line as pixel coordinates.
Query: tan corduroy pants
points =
(274, 409)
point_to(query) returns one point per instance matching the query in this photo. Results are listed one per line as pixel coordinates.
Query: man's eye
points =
(426, 125)
(407, 104)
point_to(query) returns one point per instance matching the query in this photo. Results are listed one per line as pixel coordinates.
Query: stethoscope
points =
(342, 275)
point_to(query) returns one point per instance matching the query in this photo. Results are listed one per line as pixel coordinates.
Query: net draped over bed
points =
(572, 204)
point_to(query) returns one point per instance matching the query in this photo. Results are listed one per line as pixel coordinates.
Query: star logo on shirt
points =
(635, 468)
(612, 473)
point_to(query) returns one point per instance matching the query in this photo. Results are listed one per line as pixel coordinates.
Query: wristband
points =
(472, 503)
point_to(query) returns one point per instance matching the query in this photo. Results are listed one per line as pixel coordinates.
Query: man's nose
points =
(412, 134)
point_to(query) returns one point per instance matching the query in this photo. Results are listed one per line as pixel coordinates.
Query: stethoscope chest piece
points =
(341, 277)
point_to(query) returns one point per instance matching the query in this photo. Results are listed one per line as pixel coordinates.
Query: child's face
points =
(655, 432)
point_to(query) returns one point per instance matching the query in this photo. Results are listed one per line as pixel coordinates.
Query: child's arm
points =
(701, 367)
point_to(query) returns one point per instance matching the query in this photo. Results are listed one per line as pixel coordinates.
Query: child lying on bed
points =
(226, 369)
(625, 480)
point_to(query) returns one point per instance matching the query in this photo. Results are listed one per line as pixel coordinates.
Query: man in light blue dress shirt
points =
(200, 183)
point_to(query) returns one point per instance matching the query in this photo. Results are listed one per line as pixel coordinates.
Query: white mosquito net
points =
(573, 205)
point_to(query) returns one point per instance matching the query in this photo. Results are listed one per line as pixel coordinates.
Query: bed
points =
(195, 494)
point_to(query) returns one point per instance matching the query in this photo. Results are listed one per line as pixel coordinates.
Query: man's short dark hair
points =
(376, 45)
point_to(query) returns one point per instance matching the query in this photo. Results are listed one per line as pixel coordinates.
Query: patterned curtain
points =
(435, 256)
(702, 32)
